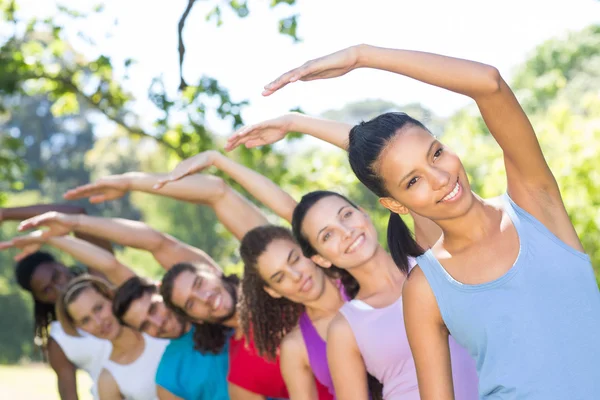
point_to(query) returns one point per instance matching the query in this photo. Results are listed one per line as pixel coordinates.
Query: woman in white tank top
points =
(130, 371)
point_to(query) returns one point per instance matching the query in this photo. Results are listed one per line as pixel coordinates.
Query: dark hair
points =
(133, 289)
(366, 143)
(208, 337)
(73, 291)
(43, 313)
(264, 318)
(350, 284)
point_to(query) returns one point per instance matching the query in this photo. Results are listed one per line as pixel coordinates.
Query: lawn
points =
(36, 382)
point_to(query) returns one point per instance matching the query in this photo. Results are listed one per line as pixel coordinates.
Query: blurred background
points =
(94, 88)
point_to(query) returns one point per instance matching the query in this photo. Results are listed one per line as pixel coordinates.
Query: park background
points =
(94, 88)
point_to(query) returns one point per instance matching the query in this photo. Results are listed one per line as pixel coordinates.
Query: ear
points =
(271, 292)
(321, 261)
(393, 205)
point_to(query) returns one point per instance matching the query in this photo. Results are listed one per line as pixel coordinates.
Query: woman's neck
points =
(378, 274)
(481, 220)
(328, 303)
(126, 340)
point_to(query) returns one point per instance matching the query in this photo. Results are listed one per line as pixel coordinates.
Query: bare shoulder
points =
(293, 343)
(107, 386)
(418, 296)
(340, 330)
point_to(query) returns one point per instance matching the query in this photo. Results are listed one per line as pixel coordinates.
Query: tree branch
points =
(96, 105)
(180, 26)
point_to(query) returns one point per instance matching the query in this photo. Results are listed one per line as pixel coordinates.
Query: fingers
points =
(240, 136)
(23, 254)
(80, 192)
(29, 223)
(98, 198)
(6, 244)
(171, 178)
(289, 77)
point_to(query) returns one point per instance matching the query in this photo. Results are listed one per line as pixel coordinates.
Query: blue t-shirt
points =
(191, 375)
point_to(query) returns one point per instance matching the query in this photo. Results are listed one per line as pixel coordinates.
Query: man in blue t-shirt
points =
(183, 372)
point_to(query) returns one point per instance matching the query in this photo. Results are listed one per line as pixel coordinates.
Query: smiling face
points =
(92, 313)
(339, 232)
(49, 280)
(290, 274)
(424, 176)
(150, 315)
(204, 296)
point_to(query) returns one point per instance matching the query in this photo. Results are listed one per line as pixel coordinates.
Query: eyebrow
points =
(431, 146)
(188, 301)
(327, 226)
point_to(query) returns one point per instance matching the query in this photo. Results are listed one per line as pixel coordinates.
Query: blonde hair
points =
(72, 292)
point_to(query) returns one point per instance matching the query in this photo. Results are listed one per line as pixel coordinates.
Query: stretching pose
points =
(249, 376)
(183, 371)
(86, 304)
(44, 277)
(508, 279)
(368, 335)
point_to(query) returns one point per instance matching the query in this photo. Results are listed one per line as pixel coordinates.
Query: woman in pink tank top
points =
(368, 335)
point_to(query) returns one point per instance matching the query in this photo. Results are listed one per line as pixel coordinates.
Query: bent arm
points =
(167, 250)
(259, 186)
(327, 130)
(236, 213)
(23, 213)
(238, 393)
(64, 369)
(94, 257)
(428, 338)
(107, 387)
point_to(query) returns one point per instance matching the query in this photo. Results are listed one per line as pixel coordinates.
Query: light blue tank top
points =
(535, 331)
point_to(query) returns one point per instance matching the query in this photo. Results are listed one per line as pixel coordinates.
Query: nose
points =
(439, 178)
(156, 320)
(295, 274)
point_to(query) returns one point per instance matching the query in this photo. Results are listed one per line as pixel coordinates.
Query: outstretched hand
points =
(329, 66)
(58, 224)
(266, 132)
(104, 189)
(28, 244)
(189, 166)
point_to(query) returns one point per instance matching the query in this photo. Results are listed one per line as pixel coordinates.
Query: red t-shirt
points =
(258, 375)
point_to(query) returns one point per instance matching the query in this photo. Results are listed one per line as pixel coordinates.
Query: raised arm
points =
(167, 250)
(273, 130)
(235, 212)
(259, 186)
(530, 181)
(92, 256)
(23, 213)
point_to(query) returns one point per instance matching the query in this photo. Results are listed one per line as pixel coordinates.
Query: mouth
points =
(307, 285)
(106, 328)
(360, 239)
(453, 195)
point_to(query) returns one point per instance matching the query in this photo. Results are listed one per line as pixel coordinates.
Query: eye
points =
(280, 278)
(412, 182)
(55, 277)
(438, 153)
(85, 321)
(152, 309)
(347, 214)
(97, 308)
(189, 304)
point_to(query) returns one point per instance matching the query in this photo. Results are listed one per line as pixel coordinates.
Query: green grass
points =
(37, 382)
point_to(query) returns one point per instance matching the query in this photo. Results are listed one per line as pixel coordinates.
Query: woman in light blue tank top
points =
(508, 279)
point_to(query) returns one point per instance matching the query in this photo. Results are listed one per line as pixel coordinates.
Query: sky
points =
(245, 54)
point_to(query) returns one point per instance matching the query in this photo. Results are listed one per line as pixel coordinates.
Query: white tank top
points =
(86, 352)
(136, 381)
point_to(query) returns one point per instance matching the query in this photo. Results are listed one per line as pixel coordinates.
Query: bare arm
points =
(238, 393)
(164, 394)
(295, 368)
(23, 213)
(94, 257)
(64, 369)
(346, 364)
(107, 387)
(235, 212)
(428, 339)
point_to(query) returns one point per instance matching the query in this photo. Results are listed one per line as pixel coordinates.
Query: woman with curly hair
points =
(287, 301)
